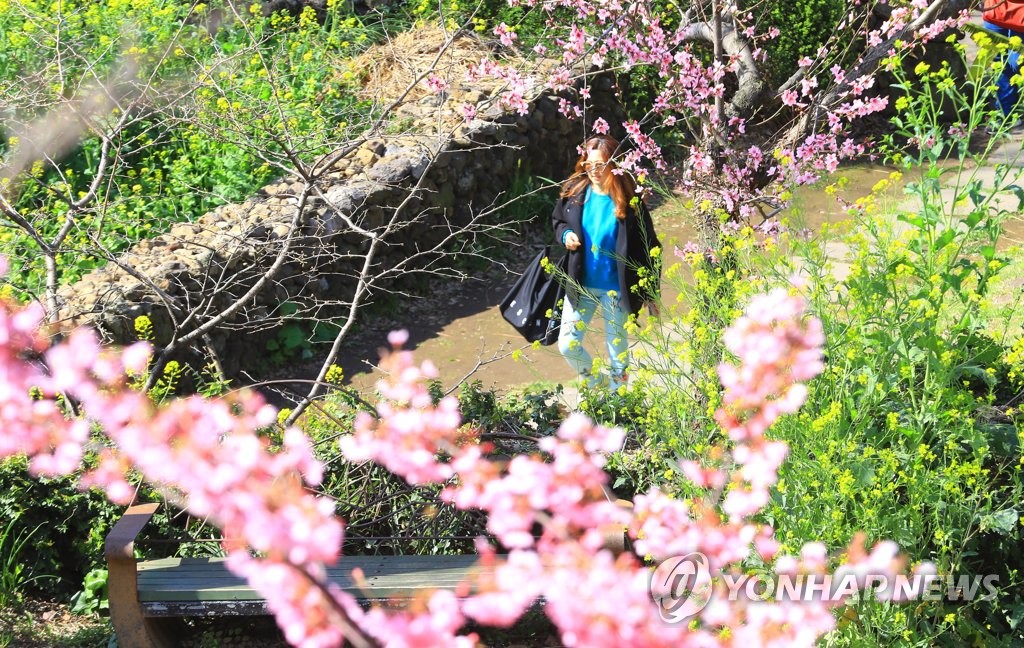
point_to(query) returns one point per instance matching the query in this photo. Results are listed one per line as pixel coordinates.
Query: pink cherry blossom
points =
(550, 509)
(437, 84)
(507, 36)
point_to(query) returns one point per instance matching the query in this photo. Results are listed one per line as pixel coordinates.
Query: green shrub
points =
(383, 513)
(912, 432)
(803, 28)
(226, 108)
(68, 526)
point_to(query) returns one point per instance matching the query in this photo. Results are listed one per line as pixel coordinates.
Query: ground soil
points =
(37, 623)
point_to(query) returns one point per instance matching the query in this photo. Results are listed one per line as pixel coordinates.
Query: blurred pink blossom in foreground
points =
(206, 454)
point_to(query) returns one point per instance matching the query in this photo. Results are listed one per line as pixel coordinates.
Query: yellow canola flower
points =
(335, 375)
(283, 415)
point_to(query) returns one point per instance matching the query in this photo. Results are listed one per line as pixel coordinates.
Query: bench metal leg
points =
(133, 629)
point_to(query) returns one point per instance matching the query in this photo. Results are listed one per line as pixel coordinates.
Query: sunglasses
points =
(590, 166)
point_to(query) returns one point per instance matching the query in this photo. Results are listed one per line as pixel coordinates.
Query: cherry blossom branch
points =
(562, 491)
(207, 454)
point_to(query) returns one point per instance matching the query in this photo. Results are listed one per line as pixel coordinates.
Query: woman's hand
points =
(572, 241)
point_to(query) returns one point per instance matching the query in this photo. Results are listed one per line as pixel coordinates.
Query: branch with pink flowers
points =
(746, 137)
(209, 455)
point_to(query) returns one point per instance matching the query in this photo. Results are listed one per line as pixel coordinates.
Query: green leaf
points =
(1002, 522)
(974, 193)
(864, 473)
(325, 331)
(82, 603)
(976, 372)
(944, 239)
(1019, 192)
(95, 579)
(952, 280)
(1002, 438)
(292, 336)
(1015, 615)
(911, 219)
(916, 354)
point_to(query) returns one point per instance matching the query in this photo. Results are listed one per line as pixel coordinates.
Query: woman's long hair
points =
(621, 186)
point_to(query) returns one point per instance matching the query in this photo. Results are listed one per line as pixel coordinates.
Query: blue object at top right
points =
(1006, 18)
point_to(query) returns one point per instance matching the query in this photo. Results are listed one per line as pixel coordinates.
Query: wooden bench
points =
(149, 597)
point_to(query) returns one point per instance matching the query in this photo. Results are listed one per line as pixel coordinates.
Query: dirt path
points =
(461, 331)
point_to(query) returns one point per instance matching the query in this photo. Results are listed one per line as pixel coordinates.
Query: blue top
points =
(600, 229)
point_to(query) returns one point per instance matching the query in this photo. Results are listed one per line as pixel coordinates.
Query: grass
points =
(13, 577)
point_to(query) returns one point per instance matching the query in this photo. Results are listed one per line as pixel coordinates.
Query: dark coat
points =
(633, 243)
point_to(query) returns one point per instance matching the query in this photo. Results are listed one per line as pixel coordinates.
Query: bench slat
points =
(208, 579)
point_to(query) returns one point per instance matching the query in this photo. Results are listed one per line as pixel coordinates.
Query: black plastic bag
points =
(532, 304)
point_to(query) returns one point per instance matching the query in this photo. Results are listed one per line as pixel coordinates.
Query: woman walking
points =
(609, 235)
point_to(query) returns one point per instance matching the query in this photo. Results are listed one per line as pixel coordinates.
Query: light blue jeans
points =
(574, 326)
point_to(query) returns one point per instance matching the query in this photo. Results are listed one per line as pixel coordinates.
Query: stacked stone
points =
(437, 170)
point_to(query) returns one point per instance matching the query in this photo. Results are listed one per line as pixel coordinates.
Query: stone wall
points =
(435, 177)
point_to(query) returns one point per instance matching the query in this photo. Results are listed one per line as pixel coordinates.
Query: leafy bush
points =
(383, 513)
(229, 97)
(68, 526)
(912, 433)
(801, 26)
(910, 425)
